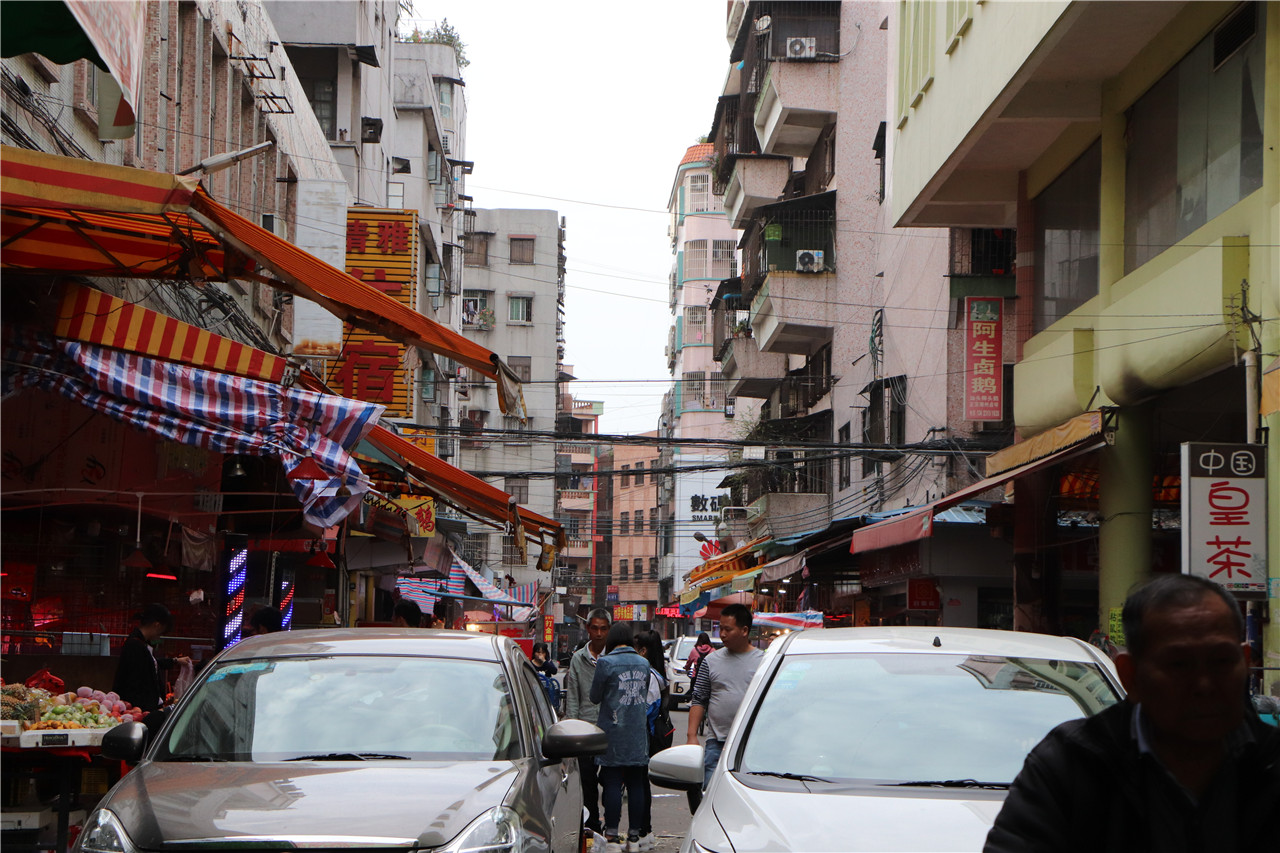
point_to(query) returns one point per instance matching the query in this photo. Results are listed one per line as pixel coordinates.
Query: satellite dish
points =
(763, 23)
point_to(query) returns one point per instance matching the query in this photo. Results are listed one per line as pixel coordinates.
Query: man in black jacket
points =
(1183, 765)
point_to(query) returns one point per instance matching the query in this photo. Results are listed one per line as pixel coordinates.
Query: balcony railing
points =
(783, 239)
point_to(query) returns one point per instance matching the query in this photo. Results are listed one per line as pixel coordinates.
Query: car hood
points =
(178, 805)
(899, 819)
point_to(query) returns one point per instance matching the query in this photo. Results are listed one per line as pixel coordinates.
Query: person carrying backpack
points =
(700, 650)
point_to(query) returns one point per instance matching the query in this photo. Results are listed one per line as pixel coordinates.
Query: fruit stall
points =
(53, 768)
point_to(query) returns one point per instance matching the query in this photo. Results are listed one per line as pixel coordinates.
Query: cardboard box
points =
(45, 738)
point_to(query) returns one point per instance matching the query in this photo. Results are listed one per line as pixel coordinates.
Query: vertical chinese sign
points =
(983, 358)
(548, 627)
(382, 251)
(1224, 514)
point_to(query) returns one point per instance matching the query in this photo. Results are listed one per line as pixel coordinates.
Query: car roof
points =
(971, 641)
(370, 641)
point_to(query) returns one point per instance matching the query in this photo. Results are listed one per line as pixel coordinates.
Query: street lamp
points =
(218, 162)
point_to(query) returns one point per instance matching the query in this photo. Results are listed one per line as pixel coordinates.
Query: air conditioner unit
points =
(809, 260)
(802, 47)
(274, 223)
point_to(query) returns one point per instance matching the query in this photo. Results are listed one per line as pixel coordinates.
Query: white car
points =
(677, 657)
(911, 736)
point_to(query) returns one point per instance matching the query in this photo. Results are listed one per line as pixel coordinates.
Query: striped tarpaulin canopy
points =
(207, 409)
(792, 621)
(61, 215)
(489, 591)
(526, 592)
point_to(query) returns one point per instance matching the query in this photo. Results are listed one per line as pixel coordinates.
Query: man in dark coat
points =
(138, 678)
(1184, 764)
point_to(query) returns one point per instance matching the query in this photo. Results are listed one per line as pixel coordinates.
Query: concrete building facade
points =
(1133, 147)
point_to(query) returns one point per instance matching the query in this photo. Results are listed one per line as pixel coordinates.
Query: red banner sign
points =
(922, 594)
(548, 627)
(983, 358)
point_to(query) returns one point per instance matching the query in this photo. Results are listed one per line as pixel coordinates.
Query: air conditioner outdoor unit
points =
(802, 47)
(809, 260)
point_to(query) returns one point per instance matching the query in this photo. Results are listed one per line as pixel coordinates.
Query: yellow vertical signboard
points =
(382, 251)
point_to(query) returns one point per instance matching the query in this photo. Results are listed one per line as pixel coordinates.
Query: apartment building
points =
(840, 325)
(1133, 148)
(700, 404)
(578, 487)
(513, 304)
(636, 529)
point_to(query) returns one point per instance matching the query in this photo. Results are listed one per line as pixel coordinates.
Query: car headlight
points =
(496, 831)
(103, 833)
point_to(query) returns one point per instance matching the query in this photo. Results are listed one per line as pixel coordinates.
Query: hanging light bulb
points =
(138, 560)
(308, 469)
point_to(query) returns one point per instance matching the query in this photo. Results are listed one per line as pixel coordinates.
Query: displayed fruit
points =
(83, 708)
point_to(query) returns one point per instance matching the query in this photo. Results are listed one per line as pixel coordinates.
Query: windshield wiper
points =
(950, 783)
(347, 756)
(196, 758)
(800, 777)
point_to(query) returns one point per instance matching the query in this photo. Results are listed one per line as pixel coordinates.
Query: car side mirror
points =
(573, 739)
(678, 767)
(125, 742)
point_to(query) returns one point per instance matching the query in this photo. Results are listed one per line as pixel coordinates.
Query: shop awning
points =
(783, 567)
(210, 410)
(791, 621)
(726, 564)
(917, 523)
(466, 492)
(64, 215)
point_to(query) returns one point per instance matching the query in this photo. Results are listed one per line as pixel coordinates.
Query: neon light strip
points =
(237, 570)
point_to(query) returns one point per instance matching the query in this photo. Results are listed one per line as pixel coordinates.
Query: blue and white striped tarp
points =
(204, 408)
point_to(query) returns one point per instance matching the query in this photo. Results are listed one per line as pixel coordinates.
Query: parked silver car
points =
(859, 739)
(395, 738)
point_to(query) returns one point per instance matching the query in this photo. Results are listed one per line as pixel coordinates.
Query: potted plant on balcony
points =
(485, 318)
(742, 329)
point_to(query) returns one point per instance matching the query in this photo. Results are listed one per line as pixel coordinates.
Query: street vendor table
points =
(58, 754)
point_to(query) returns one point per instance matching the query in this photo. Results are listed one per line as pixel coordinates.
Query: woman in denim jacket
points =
(621, 686)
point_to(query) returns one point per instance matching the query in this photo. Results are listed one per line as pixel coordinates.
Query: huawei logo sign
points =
(709, 549)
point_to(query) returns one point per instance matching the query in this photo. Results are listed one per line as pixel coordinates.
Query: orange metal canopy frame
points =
(64, 215)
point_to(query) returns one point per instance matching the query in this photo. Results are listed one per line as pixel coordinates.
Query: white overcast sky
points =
(586, 107)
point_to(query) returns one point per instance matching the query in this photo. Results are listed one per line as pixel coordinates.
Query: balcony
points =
(755, 181)
(798, 100)
(579, 549)
(782, 514)
(579, 453)
(750, 372)
(794, 312)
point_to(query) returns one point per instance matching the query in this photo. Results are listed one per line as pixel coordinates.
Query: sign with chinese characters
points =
(631, 613)
(1224, 514)
(983, 358)
(611, 594)
(922, 594)
(706, 507)
(382, 251)
(548, 627)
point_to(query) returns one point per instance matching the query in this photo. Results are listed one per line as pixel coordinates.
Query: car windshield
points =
(348, 708)
(685, 645)
(914, 718)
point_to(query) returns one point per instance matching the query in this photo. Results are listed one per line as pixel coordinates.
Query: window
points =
(471, 425)
(444, 90)
(477, 249)
(395, 194)
(1195, 139)
(622, 569)
(843, 436)
(695, 325)
(475, 304)
(1067, 220)
(521, 250)
(522, 366)
(511, 552)
(626, 476)
(698, 199)
(639, 474)
(717, 387)
(518, 488)
(724, 259)
(512, 425)
(624, 523)
(695, 259)
(573, 526)
(694, 390)
(474, 548)
(653, 519)
(324, 103)
(653, 568)
(519, 309)
(639, 528)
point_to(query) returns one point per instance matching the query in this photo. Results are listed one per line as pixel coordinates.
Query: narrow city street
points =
(671, 808)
